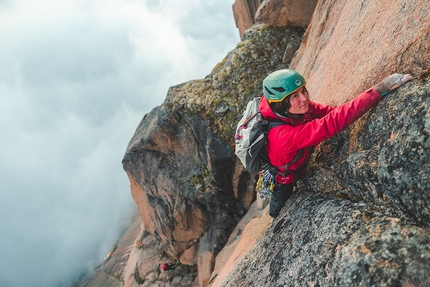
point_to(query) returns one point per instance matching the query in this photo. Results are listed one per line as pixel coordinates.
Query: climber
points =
(166, 267)
(286, 98)
(109, 256)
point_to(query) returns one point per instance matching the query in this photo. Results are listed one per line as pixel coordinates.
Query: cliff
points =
(277, 13)
(361, 214)
(189, 187)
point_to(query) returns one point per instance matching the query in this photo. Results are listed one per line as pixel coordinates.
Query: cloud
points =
(76, 77)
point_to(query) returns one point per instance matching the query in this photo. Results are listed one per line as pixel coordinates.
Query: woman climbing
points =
(307, 124)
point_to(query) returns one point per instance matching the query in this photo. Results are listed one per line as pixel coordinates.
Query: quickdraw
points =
(268, 178)
(265, 185)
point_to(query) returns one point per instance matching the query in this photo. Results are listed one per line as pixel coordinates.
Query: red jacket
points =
(319, 124)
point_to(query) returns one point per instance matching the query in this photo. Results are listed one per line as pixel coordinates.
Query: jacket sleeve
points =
(318, 110)
(293, 138)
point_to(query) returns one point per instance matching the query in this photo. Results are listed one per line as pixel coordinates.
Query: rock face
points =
(281, 13)
(278, 13)
(244, 14)
(189, 187)
(361, 214)
(350, 45)
(112, 271)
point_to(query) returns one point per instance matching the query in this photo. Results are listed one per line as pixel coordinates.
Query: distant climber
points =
(290, 145)
(108, 256)
(166, 267)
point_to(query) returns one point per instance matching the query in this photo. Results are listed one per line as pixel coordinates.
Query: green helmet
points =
(280, 84)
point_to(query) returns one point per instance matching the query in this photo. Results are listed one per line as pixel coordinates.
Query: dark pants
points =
(280, 194)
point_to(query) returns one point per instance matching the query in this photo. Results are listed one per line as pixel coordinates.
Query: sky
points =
(76, 78)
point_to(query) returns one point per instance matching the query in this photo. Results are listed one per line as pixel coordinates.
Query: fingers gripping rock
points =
(391, 83)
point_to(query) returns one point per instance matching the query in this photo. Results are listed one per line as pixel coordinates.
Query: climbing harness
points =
(268, 178)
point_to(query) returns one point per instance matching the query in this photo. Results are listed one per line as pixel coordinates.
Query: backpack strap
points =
(277, 123)
(298, 155)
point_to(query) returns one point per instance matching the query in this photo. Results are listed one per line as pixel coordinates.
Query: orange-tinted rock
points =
(351, 45)
(242, 239)
(117, 258)
(244, 13)
(281, 13)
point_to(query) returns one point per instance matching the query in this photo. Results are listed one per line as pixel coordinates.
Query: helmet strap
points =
(281, 108)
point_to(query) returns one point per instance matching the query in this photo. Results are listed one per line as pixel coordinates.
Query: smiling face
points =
(299, 102)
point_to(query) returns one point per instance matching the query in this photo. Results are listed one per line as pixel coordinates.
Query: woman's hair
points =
(281, 107)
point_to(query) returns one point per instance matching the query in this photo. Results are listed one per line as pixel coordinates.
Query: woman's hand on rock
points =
(391, 83)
